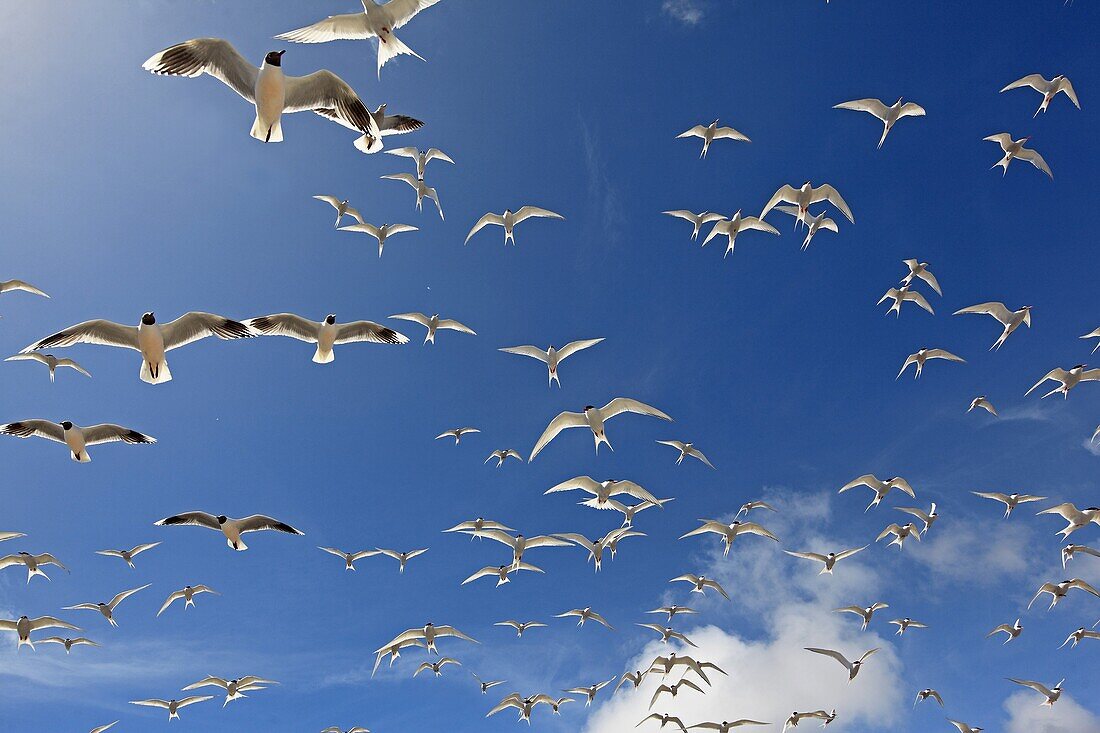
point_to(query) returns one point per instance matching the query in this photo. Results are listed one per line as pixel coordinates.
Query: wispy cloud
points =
(688, 12)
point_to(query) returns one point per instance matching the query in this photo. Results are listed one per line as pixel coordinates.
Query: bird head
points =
(274, 58)
(330, 319)
(589, 407)
(222, 519)
(148, 319)
(66, 424)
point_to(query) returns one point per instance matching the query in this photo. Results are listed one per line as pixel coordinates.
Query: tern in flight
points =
(552, 357)
(1049, 89)
(887, 115)
(594, 418)
(710, 133)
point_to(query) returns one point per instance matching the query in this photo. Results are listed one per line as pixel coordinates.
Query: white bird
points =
(1015, 149)
(756, 504)
(422, 189)
(602, 491)
(729, 532)
(984, 403)
(727, 725)
(731, 227)
(628, 511)
(68, 643)
(853, 666)
(1011, 631)
(501, 454)
(51, 362)
(77, 439)
(172, 706)
(151, 339)
(686, 449)
(1075, 518)
(402, 557)
(829, 560)
(422, 157)
(23, 626)
(902, 294)
(433, 323)
(1067, 379)
(881, 488)
(377, 21)
(457, 434)
(697, 220)
(665, 665)
(1058, 591)
(349, 558)
(672, 611)
(33, 563)
(864, 613)
(521, 626)
(924, 355)
(428, 633)
(476, 526)
(710, 133)
(525, 705)
(920, 270)
(814, 223)
(585, 614)
(187, 593)
(343, 208)
(381, 233)
(887, 115)
(667, 632)
(1070, 551)
(1093, 334)
(900, 534)
(128, 556)
(326, 334)
(394, 652)
(501, 572)
(590, 691)
(1011, 320)
(521, 544)
(10, 285)
(108, 608)
(1076, 637)
(271, 92)
(635, 678)
(926, 693)
(1050, 693)
(552, 357)
(231, 528)
(806, 195)
(509, 219)
(1011, 501)
(928, 517)
(904, 624)
(673, 690)
(792, 722)
(437, 666)
(486, 686)
(594, 418)
(964, 728)
(1049, 89)
(664, 719)
(596, 547)
(235, 688)
(700, 583)
(10, 536)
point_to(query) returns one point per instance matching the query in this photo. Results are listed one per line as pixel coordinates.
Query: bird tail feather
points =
(389, 48)
(323, 358)
(163, 373)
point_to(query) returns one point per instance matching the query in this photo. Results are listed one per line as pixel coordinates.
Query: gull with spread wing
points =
(422, 157)
(501, 572)
(901, 295)
(686, 449)
(436, 666)
(904, 624)
(343, 208)
(23, 626)
(231, 528)
(1011, 631)
(521, 626)
(673, 690)
(1050, 693)
(401, 557)
(806, 195)
(863, 613)
(235, 688)
(814, 223)
(924, 355)
(829, 560)
(326, 334)
(729, 532)
(700, 583)
(672, 611)
(730, 228)
(727, 725)
(926, 693)
(983, 402)
(187, 593)
(900, 533)
(1011, 501)
(697, 220)
(594, 418)
(666, 633)
(423, 190)
(664, 719)
(68, 643)
(1070, 551)
(428, 634)
(596, 547)
(881, 488)
(1067, 379)
(920, 270)
(552, 357)
(585, 614)
(381, 233)
(33, 563)
(457, 434)
(602, 491)
(521, 544)
(928, 517)
(349, 558)
(1058, 591)
(1075, 518)
(853, 666)
(172, 706)
(1076, 637)
(127, 556)
(590, 691)
(77, 438)
(501, 454)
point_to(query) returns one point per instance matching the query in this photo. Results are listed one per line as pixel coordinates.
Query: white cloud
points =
(688, 12)
(983, 551)
(1027, 715)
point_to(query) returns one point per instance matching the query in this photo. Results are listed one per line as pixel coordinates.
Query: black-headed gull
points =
(75, 437)
(231, 528)
(326, 334)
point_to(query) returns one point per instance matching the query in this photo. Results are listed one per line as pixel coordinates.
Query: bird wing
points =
(574, 346)
(531, 212)
(943, 354)
(929, 278)
(919, 299)
(911, 109)
(902, 485)
(332, 200)
(124, 595)
(368, 331)
(1057, 374)
(346, 27)
(825, 192)
(26, 287)
(786, 193)
(401, 12)
(195, 325)
(201, 519)
(453, 325)
(436, 154)
(620, 405)
(420, 318)
(1038, 687)
(752, 222)
(1035, 159)
(532, 351)
(872, 106)
(172, 597)
(1001, 138)
(399, 124)
(213, 56)
(1066, 86)
(36, 428)
(848, 553)
(697, 131)
(105, 333)
(258, 522)
(483, 222)
(192, 700)
(858, 481)
(452, 631)
(995, 309)
(730, 133)
(408, 178)
(1035, 81)
(714, 584)
(545, 541)
(561, 422)
(329, 96)
(487, 570)
(1082, 585)
(831, 653)
(287, 324)
(911, 359)
(49, 622)
(151, 703)
(110, 433)
(757, 529)
(807, 555)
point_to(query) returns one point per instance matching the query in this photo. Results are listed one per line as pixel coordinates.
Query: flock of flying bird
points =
(273, 94)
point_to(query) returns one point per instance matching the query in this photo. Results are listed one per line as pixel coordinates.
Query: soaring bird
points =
(402, 558)
(852, 666)
(127, 556)
(349, 558)
(68, 643)
(23, 626)
(1050, 693)
(964, 727)
(1070, 551)
(730, 228)
(433, 323)
(983, 402)
(6, 286)
(77, 439)
(864, 613)
(1093, 334)
(697, 220)
(326, 334)
(594, 418)
(437, 666)
(476, 526)
(1011, 320)
(235, 688)
(928, 517)
(924, 355)
(52, 362)
(1011, 501)
(664, 719)
(1076, 637)
(423, 190)
(887, 115)
(900, 533)
(1075, 518)
(829, 560)
(700, 583)
(881, 488)
(509, 219)
(521, 626)
(33, 563)
(755, 504)
(1058, 591)
(672, 611)
(428, 633)
(457, 434)
(1067, 379)
(231, 528)
(596, 547)
(552, 357)
(920, 270)
(814, 223)
(376, 21)
(272, 93)
(1049, 89)
(901, 295)
(187, 593)
(1014, 149)
(151, 339)
(602, 491)
(501, 572)
(585, 614)
(172, 706)
(1011, 631)
(926, 693)
(381, 233)
(904, 624)
(108, 608)
(727, 725)
(729, 532)
(590, 691)
(343, 208)
(520, 544)
(486, 686)
(667, 632)
(806, 195)
(501, 454)
(710, 133)
(422, 157)
(673, 690)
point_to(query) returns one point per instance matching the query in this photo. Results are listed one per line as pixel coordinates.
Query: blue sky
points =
(124, 193)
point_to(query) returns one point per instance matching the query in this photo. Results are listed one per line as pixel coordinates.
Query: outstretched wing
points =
(287, 324)
(109, 433)
(213, 56)
(105, 333)
(483, 222)
(368, 331)
(329, 96)
(346, 27)
(34, 428)
(561, 422)
(257, 522)
(196, 325)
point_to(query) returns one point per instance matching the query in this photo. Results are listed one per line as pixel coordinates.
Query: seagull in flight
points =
(900, 534)
(1011, 320)
(1067, 379)
(673, 690)
(502, 454)
(51, 362)
(33, 563)
(964, 728)
(423, 190)
(422, 157)
(887, 115)
(1070, 551)
(666, 633)
(552, 357)
(521, 544)
(376, 21)
(234, 689)
(1075, 518)
(727, 725)
(187, 593)
(829, 560)
(596, 547)
(1014, 149)
(924, 355)
(501, 572)
(750, 505)
(108, 608)
(697, 220)
(172, 706)
(1048, 88)
(863, 613)
(901, 295)
(664, 719)
(23, 626)
(1058, 591)
(602, 491)
(585, 614)
(1076, 637)
(457, 434)
(1011, 501)
(343, 208)
(231, 528)
(806, 195)
(710, 133)
(594, 418)
(700, 583)
(433, 323)
(814, 223)
(920, 270)
(437, 666)
(904, 624)
(521, 626)
(127, 556)
(881, 488)
(983, 402)
(729, 532)
(326, 334)
(590, 691)
(928, 517)
(349, 558)
(77, 439)
(1011, 631)
(402, 557)
(730, 228)
(486, 686)
(151, 339)
(381, 233)
(70, 643)
(1050, 693)
(509, 219)
(429, 633)
(475, 527)
(792, 722)
(272, 93)
(672, 611)
(853, 667)
(1093, 334)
